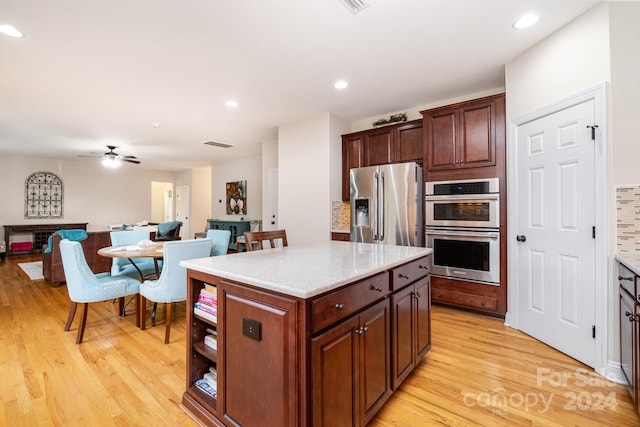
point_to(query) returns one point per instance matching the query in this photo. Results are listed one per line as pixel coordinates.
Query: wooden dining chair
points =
(257, 238)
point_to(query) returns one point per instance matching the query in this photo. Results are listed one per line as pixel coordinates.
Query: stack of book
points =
(209, 382)
(207, 305)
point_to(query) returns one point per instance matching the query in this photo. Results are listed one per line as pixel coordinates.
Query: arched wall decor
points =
(43, 196)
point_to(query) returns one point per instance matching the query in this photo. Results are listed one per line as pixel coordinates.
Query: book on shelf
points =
(212, 331)
(211, 341)
(206, 387)
(207, 308)
(205, 315)
(204, 299)
(210, 288)
(211, 379)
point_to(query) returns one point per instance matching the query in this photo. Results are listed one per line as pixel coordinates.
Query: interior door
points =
(556, 216)
(183, 206)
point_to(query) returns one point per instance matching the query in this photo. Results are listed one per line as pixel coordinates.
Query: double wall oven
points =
(462, 226)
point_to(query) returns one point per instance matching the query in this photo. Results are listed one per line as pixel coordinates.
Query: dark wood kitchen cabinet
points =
(396, 143)
(629, 322)
(411, 311)
(352, 360)
(325, 360)
(464, 136)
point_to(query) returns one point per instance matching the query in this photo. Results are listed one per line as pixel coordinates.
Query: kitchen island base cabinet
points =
(411, 311)
(289, 360)
(352, 359)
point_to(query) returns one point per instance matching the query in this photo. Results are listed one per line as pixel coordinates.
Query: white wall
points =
(306, 150)
(92, 193)
(248, 169)
(625, 92)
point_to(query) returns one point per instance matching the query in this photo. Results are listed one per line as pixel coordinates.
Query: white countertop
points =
(631, 261)
(307, 271)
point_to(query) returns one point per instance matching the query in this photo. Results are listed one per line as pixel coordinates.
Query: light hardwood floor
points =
(478, 373)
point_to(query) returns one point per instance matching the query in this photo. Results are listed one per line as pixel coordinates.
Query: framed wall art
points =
(237, 198)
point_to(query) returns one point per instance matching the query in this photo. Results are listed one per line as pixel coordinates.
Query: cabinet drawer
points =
(409, 273)
(340, 237)
(468, 300)
(337, 305)
(627, 280)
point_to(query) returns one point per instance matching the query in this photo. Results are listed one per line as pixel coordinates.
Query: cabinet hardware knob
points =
(439, 295)
(625, 278)
(376, 288)
(482, 303)
(632, 318)
(424, 267)
(359, 331)
(403, 276)
(340, 306)
(626, 313)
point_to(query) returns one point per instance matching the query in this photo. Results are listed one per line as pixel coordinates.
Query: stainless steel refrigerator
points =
(387, 204)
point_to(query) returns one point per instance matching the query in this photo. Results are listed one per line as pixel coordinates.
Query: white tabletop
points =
(306, 271)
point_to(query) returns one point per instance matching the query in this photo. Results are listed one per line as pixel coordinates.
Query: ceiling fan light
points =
(111, 162)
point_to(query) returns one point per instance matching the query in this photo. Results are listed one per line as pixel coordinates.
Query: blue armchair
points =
(220, 240)
(121, 266)
(172, 285)
(85, 287)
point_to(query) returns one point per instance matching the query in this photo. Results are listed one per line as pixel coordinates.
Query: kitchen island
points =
(306, 335)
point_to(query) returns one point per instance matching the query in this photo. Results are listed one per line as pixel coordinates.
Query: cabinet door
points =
(409, 143)
(441, 133)
(259, 379)
(378, 148)
(402, 335)
(374, 359)
(334, 370)
(352, 157)
(476, 136)
(422, 304)
(628, 342)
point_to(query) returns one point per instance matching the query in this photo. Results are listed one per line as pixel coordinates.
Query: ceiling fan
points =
(113, 159)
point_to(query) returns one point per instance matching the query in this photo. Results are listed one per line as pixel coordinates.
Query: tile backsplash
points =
(340, 216)
(628, 219)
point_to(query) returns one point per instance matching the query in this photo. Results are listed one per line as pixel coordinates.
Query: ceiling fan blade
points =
(128, 157)
(130, 161)
(92, 156)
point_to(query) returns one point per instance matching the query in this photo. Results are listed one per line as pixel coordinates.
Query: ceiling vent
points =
(218, 144)
(354, 6)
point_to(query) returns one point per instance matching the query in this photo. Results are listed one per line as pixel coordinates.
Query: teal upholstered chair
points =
(172, 285)
(85, 287)
(123, 265)
(220, 240)
(168, 231)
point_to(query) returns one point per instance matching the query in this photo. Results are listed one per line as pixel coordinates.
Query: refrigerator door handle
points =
(381, 202)
(374, 208)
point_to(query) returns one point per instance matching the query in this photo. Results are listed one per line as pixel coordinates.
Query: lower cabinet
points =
(352, 360)
(411, 311)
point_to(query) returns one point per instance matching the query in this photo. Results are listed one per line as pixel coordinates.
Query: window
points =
(43, 194)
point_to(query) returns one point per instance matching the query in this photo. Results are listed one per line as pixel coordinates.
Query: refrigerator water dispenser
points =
(362, 212)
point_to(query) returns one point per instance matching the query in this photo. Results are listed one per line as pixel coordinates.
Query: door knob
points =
(521, 239)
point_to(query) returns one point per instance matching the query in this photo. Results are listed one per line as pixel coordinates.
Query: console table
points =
(39, 233)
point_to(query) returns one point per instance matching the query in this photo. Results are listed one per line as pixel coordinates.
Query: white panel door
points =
(183, 211)
(556, 188)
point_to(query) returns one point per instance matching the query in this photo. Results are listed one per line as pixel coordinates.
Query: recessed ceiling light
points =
(231, 103)
(341, 84)
(10, 30)
(156, 125)
(526, 21)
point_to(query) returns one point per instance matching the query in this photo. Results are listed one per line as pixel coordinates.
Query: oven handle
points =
(489, 234)
(470, 197)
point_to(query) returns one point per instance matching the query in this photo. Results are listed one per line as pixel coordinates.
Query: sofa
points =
(52, 269)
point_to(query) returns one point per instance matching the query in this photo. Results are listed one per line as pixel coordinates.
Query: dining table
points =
(132, 252)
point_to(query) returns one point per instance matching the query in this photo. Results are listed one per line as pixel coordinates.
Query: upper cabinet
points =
(397, 143)
(464, 135)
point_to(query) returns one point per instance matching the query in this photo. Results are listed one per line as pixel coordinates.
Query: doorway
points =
(557, 251)
(161, 202)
